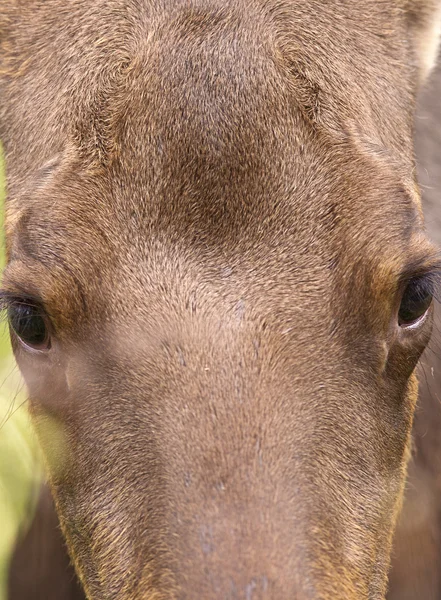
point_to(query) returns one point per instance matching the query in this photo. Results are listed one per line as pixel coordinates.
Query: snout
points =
(258, 542)
(242, 556)
(223, 473)
(265, 513)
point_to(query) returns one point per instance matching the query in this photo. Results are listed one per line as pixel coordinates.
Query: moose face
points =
(218, 288)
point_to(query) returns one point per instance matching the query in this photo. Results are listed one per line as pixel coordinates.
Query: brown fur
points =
(215, 203)
(416, 557)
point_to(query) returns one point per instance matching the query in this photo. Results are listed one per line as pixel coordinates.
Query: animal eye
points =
(416, 301)
(30, 324)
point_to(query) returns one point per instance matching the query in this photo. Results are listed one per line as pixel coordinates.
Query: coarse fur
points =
(416, 554)
(215, 204)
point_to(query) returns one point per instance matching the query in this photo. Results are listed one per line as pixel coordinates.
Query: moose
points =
(219, 284)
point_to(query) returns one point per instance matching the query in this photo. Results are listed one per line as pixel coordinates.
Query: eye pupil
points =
(416, 301)
(29, 324)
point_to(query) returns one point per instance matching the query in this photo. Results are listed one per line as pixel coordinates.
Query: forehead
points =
(203, 143)
(293, 231)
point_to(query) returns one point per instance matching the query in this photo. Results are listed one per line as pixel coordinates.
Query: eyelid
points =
(32, 350)
(10, 299)
(18, 293)
(427, 265)
(418, 323)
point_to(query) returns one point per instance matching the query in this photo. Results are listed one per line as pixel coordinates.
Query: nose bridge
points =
(229, 436)
(250, 537)
(259, 488)
(236, 552)
(231, 416)
(259, 551)
(261, 492)
(237, 465)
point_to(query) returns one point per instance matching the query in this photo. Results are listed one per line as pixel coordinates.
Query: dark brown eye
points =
(30, 324)
(416, 301)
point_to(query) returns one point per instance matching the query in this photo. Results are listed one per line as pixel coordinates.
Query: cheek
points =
(52, 412)
(54, 440)
(412, 390)
(410, 400)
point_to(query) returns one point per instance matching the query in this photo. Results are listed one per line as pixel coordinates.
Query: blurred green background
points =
(20, 464)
